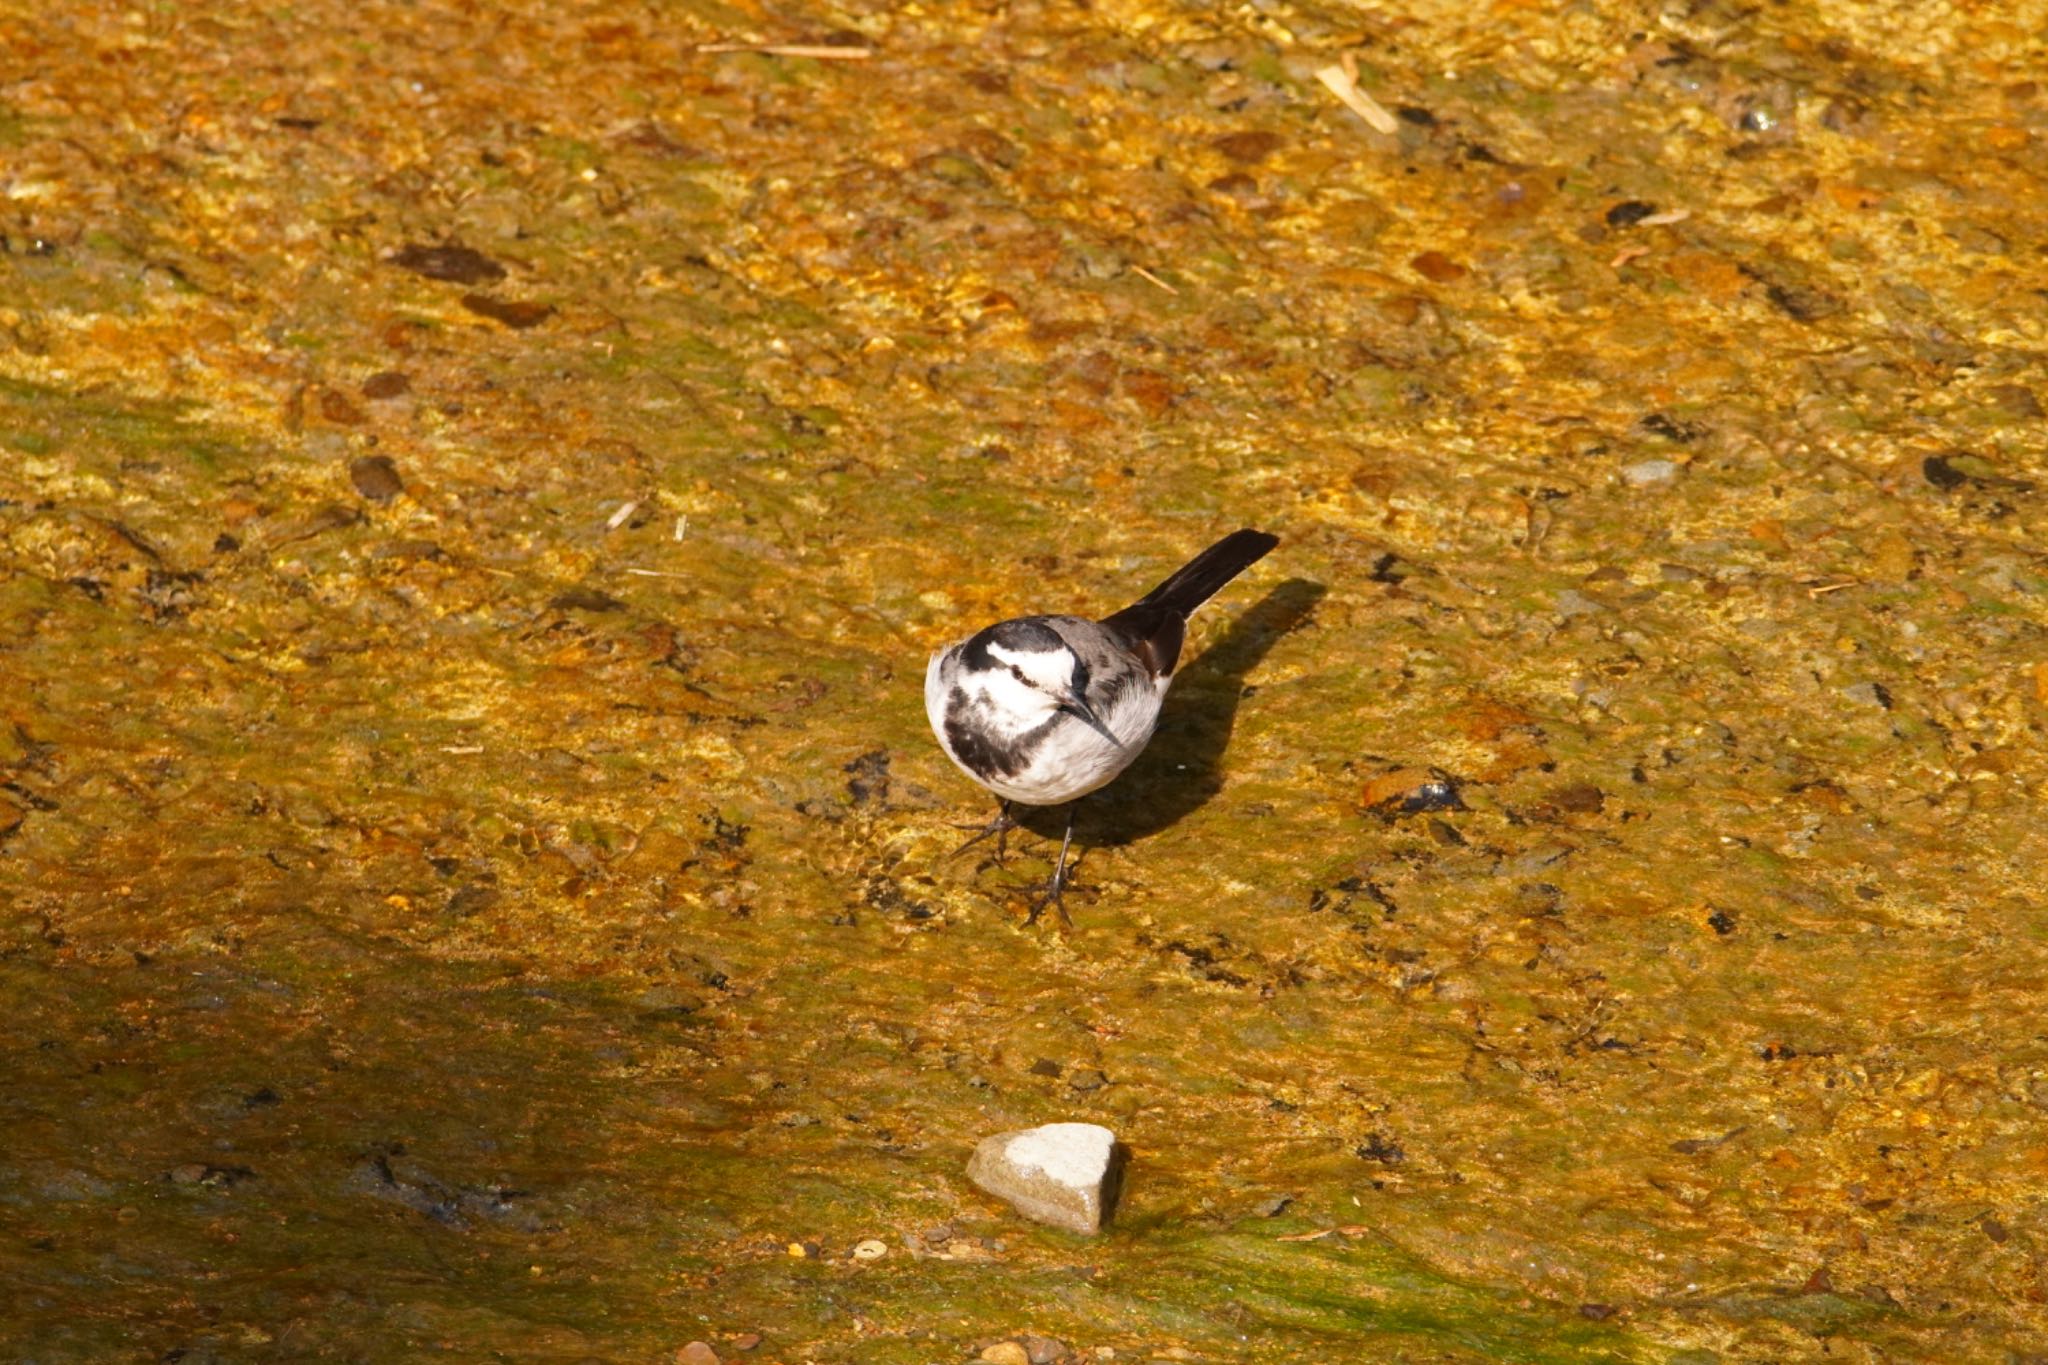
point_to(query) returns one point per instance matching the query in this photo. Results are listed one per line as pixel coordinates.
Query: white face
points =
(1027, 686)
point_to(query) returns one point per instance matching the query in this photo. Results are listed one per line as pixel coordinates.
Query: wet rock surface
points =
(476, 493)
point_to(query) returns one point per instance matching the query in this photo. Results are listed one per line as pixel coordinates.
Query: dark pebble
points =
(375, 477)
(1581, 798)
(515, 313)
(387, 384)
(1249, 148)
(1629, 212)
(454, 262)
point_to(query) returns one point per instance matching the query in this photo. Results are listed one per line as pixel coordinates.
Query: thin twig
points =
(1141, 270)
(815, 51)
(1344, 85)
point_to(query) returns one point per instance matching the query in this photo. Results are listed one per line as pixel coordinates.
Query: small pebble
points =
(1644, 473)
(1041, 1350)
(1006, 1353)
(376, 478)
(746, 1341)
(697, 1353)
(869, 1250)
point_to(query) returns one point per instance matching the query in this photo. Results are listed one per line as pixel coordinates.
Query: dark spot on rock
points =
(727, 836)
(471, 900)
(1379, 1147)
(1803, 303)
(375, 477)
(452, 261)
(1597, 1312)
(1581, 798)
(1776, 1052)
(518, 314)
(585, 599)
(1722, 922)
(1629, 212)
(1659, 424)
(387, 384)
(1249, 148)
(1938, 471)
(868, 777)
(1045, 1066)
(1445, 834)
(1391, 568)
(1417, 115)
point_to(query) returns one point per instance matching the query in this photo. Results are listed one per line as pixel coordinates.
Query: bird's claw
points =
(1000, 827)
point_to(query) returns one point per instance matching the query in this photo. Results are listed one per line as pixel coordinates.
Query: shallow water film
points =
(479, 486)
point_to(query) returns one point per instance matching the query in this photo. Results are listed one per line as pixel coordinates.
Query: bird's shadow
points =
(1183, 765)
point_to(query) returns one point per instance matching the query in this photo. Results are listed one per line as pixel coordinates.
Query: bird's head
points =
(1024, 674)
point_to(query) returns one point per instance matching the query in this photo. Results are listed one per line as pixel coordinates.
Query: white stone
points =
(1062, 1174)
(1646, 472)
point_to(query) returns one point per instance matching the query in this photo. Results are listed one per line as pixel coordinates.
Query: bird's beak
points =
(1078, 707)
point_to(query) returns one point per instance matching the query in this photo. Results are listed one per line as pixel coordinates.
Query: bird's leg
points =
(1058, 883)
(1000, 827)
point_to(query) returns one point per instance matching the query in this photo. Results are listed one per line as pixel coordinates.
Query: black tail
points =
(1155, 626)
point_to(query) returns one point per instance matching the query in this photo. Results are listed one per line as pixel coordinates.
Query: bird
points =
(1042, 710)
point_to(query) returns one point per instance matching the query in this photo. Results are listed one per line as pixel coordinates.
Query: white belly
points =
(1075, 760)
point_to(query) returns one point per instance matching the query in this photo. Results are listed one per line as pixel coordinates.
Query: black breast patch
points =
(982, 752)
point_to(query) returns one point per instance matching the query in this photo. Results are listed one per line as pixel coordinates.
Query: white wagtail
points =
(1045, 709)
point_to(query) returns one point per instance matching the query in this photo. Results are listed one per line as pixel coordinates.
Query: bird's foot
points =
(1053, 893)
(1000, 827)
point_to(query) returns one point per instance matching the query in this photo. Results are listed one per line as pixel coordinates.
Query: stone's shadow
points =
(1183, 765)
